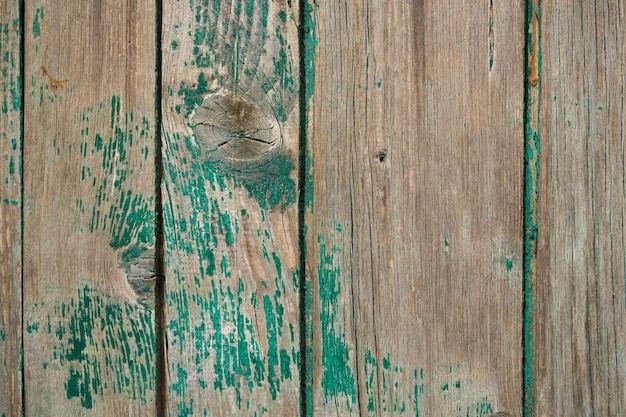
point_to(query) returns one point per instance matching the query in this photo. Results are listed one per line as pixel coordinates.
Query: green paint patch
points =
(39, 15)
(32, 328)
(225, 335)
(127, 216)
(193, 95)
(337, 378)
(270, 184)
(102, 345)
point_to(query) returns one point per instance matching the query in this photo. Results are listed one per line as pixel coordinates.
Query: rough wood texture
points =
(580, 349)
(416, 216)
(230, 131)
(10, 211)
(89, 207)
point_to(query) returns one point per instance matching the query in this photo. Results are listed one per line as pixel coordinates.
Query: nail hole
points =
(382, 155)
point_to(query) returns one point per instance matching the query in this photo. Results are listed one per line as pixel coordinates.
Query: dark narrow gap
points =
(159, 304)
(305, 296)
(532, 71)
(22, 25)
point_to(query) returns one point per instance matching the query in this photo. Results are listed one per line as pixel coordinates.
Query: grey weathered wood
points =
(580, 342)
(230, 152)
(10, 211)
(89, 185)
(417, 139)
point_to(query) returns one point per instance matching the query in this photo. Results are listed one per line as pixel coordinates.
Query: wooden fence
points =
(316, 208)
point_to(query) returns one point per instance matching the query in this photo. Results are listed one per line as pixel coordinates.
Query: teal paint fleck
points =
(386, 362)
(509, 264)
(174, 45)
(277, 263)
(39, 15)
(225, 268)
(285, 365)
(272, 351)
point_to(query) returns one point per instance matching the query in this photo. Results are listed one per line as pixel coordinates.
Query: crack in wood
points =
(230, 128)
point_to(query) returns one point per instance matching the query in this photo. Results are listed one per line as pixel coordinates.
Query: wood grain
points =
(580, 349)
(10, 210)
(230, 156)
(417, 138)
(89, 183)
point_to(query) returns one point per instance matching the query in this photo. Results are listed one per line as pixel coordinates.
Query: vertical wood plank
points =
(417, 138)
(230, 128)
(580, 349)
(89, 185)
(10, 210)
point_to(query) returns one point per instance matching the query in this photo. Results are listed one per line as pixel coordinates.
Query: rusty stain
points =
(53, 82)
(534, 54)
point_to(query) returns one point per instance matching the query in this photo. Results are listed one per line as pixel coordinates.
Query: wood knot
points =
(230, 128)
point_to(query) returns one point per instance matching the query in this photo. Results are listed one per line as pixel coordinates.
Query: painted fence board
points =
(89, 196)
(580, 315)
(415, 250)
(10, 210)
(230, 156)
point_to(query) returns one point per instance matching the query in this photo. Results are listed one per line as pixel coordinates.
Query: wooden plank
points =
(89, 186)
(417, 138)
(580, 322)
(230, 156)
(10, 210)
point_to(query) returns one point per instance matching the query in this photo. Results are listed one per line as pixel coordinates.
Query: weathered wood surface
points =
(580, 321)
(230, 156)
(89, 185)
(420, 296)
(10, 210)
(417, 139)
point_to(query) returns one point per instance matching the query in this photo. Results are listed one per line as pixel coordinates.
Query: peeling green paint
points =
(233, 328)
(127, 216)
(270, 184)
(224, 335)
(337, 378)
(102, 345)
